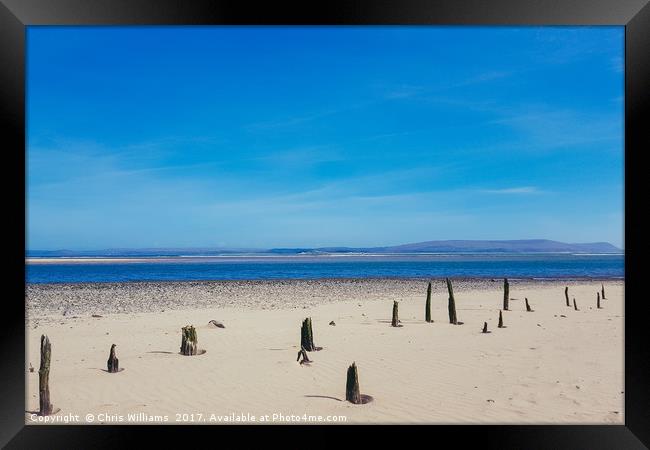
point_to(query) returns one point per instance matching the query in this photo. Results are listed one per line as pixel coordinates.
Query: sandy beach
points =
(553, 365)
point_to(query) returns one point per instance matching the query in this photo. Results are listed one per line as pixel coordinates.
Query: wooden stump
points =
(528, 309)
(306, 335)
(500, 319)
(453, 319)
(485, 330)
(506, 294)
(352, 393)
(602, 289)
(113, 362)
(598, 300)
(189, 341)
(427, 307)
(566, 295)
(575, 306)
(395, 321)
(303, 354)
(45, 406)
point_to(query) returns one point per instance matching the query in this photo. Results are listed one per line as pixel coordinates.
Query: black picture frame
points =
(15, 15)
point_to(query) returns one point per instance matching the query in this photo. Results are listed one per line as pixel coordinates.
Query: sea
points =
(265, 267)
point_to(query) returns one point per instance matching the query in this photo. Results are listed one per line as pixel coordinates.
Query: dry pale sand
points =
(553, 365)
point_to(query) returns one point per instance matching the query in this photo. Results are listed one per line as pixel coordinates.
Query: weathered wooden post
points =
(45, 406)
(485, 330)
(602, 287)
(303, 354)
(452, 304)
(575, 306)
(528, 309)
(113, 362)
(506, 294)
(598, 300)
(500, 319)
(307, 336)
(189, 341)
(566, 295)
(395, 321)
(427, 308)
(352, 393)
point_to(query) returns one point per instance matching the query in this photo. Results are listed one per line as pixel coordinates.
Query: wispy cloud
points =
(512, 190)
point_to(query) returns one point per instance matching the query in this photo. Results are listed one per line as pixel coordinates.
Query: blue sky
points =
(274, 136)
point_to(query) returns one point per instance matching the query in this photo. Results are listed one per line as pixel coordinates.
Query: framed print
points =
(227, 216)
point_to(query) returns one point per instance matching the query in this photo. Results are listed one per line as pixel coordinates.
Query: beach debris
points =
(562, 315)
(113, 362)
(452, 304)
(31, 368)
(566, 295)
(485, 330)
(427, 308)
(575, 306)
(302, 353)
(45, 406)
(352, 393)
(506, 294)
(96, 315)
(216, 324)
(332, 323)
(307, 336)
(528, 308)
(189, 341)
(501, 320)
(395, 321)
(489, 400)
(602, 288)
(598, 300)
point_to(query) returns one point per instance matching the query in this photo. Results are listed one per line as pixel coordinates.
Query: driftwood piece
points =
(395, 321)
(216, 324)
(302, 353)
(453, 319)
(427, 307)
(506, 294)
(189, 341)
(332, 323)
(113, 363)
(352, 393)
(44, 403)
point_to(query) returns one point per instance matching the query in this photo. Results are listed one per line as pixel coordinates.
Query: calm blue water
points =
(247, 268)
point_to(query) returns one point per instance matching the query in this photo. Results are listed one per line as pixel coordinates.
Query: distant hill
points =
(456, 246)
(517, 246)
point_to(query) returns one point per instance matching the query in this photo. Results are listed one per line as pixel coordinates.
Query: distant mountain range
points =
(457, 246)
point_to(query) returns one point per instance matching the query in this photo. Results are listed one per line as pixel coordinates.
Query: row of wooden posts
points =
(189, 344)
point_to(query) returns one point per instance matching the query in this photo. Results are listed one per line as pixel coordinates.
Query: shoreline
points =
(334, 279)
(75, 299)
(102, 259)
